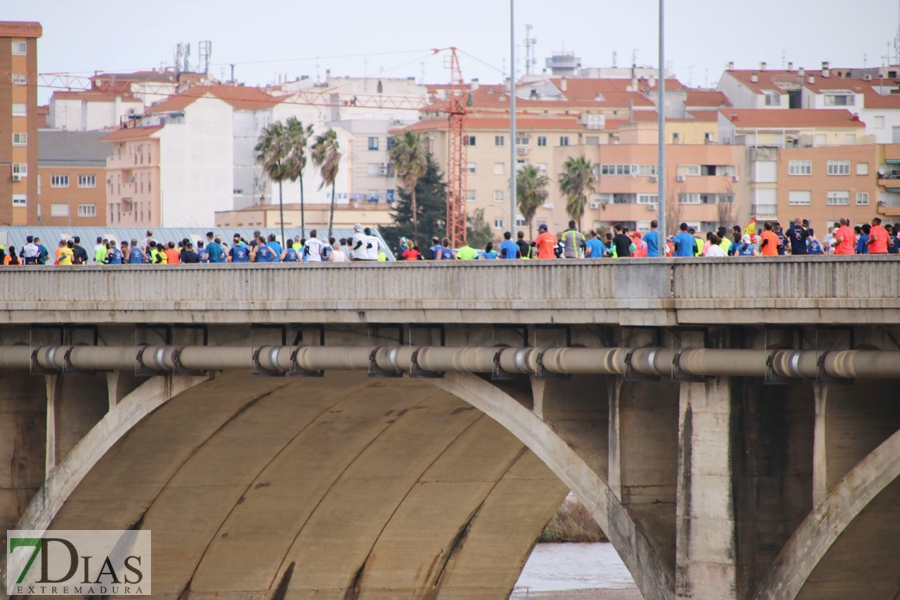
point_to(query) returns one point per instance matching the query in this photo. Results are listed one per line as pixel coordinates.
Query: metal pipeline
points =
(790, 364)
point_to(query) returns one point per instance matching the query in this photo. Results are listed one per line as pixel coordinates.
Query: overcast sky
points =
(265, 37)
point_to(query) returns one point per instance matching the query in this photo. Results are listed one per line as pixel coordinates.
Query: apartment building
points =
(92, 110)
(316, 216)
(871, 94)
(133, 181)
(18, 122)
(72, 178)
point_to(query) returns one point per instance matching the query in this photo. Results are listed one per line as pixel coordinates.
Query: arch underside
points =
(371, 488)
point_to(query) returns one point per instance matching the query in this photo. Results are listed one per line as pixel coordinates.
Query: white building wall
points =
(196, 165)
(85, 115)
(881, 128)
(739, 94)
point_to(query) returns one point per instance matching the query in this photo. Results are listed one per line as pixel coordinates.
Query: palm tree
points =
(298, 137)
(326, 155)
(410, 160)
(531, 193)
(271, 151)
(575, 183)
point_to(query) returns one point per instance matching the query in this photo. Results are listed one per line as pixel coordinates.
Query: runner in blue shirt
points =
(264, 254)
(594, 247)
(135, 255)
(509, 249)
(113, 254)
(685, 243)
(651, 238)
(275, 247)
(213, 249)
(290, 255)
(239, 254)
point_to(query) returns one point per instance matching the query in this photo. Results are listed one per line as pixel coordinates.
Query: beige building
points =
(316, 216)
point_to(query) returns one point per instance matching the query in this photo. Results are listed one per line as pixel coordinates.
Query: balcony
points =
(890, 180)
(767, 211)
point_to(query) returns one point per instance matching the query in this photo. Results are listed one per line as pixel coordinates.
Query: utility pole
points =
(512, 119)
(661, 124)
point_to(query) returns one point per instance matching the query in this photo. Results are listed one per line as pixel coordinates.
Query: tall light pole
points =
(512, 119)
(661, 123)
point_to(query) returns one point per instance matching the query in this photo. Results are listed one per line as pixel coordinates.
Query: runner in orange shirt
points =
(845, 241)
(172, 255)
(545, 242)
(878, 238)
(770, 241)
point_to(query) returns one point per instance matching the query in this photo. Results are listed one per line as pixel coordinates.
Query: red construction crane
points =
(457, 164)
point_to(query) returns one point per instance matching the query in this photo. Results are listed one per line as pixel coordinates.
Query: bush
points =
(572, 523)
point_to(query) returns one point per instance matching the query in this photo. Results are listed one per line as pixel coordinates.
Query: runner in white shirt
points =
(337, 254)
(360, 241)
(372, 245)
(313, 248)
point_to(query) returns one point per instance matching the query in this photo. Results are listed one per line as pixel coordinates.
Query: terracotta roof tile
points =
(133, 132)
(20, 29)
(239, 97)
(761, 117)
(702, 98)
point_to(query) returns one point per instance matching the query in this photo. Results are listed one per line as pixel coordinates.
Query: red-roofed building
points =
(19, 123)
(872, 94)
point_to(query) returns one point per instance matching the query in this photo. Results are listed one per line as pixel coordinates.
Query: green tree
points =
(326, 155)
(575, 183)
(410, 160)
(478, 231)
(531, 193)
(295, 162)
(431, 195)
(271, 151)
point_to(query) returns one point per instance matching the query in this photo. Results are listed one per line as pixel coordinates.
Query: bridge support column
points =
(74, 405)
(705, 520)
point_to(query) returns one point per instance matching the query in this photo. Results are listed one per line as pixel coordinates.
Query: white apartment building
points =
(91, 110)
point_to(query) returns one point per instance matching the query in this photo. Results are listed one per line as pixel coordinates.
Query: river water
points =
(583, 571)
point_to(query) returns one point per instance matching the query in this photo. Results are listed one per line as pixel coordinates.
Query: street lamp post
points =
(661, 124)
(512, 119)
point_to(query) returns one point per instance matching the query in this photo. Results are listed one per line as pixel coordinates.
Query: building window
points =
(839, 100)
(499, 140)
(149, 182)
(39, 185)
(838, 167)
(87, 181)
(20, 139)
(498, 223)
(879, 122)
(472, 140)
(592, 140)
(499, 195)
(617, 169)
(470, 195)
(799, 198)
(800, 167)
(59, 181)
(862, 198)
(87, 210)
(520, 221)
(676, 138)
(838, 198)
(542, 167)
(471, 168)
(19, 48)
(59, 210)
(647, 198)
(563, 140)
(773, 99)
(19, 200)
(20, 169)
(20, 110)
(522, 141)
(19, 79)
(542, 140)
(373, 143)
(646, 170)
(693, 170)
(862, 168)
(689, 198)
(499, 168)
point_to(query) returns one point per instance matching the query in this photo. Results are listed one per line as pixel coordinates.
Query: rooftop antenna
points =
(634, 57)
(706, 78)
(317, 69)
(614, 59)
(782, 60)
(187, 58)
(422, 80)
(232, 72)
(179, 55)
(690, 75)
(864, 60)
(529, 49)
(897, 41)
(205, 53)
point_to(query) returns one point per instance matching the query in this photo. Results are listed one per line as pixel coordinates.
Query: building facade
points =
(72, 178)
(133, 180)
(18, 122)
(92, 110)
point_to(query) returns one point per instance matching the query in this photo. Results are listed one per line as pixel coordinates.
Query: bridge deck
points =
(791, 290)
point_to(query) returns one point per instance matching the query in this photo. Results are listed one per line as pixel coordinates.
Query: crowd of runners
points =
(773, 240)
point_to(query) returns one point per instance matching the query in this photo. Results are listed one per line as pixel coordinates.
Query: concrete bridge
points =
(406, 431)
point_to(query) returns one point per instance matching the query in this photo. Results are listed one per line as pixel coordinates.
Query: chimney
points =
(790, 66)
(506, 85)
(730, 66)
(801, 72)
(762, 66)
(812, 78)
(563, 85)
(754, 78)
(825, 71)
(327, 74)
(474, 84)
